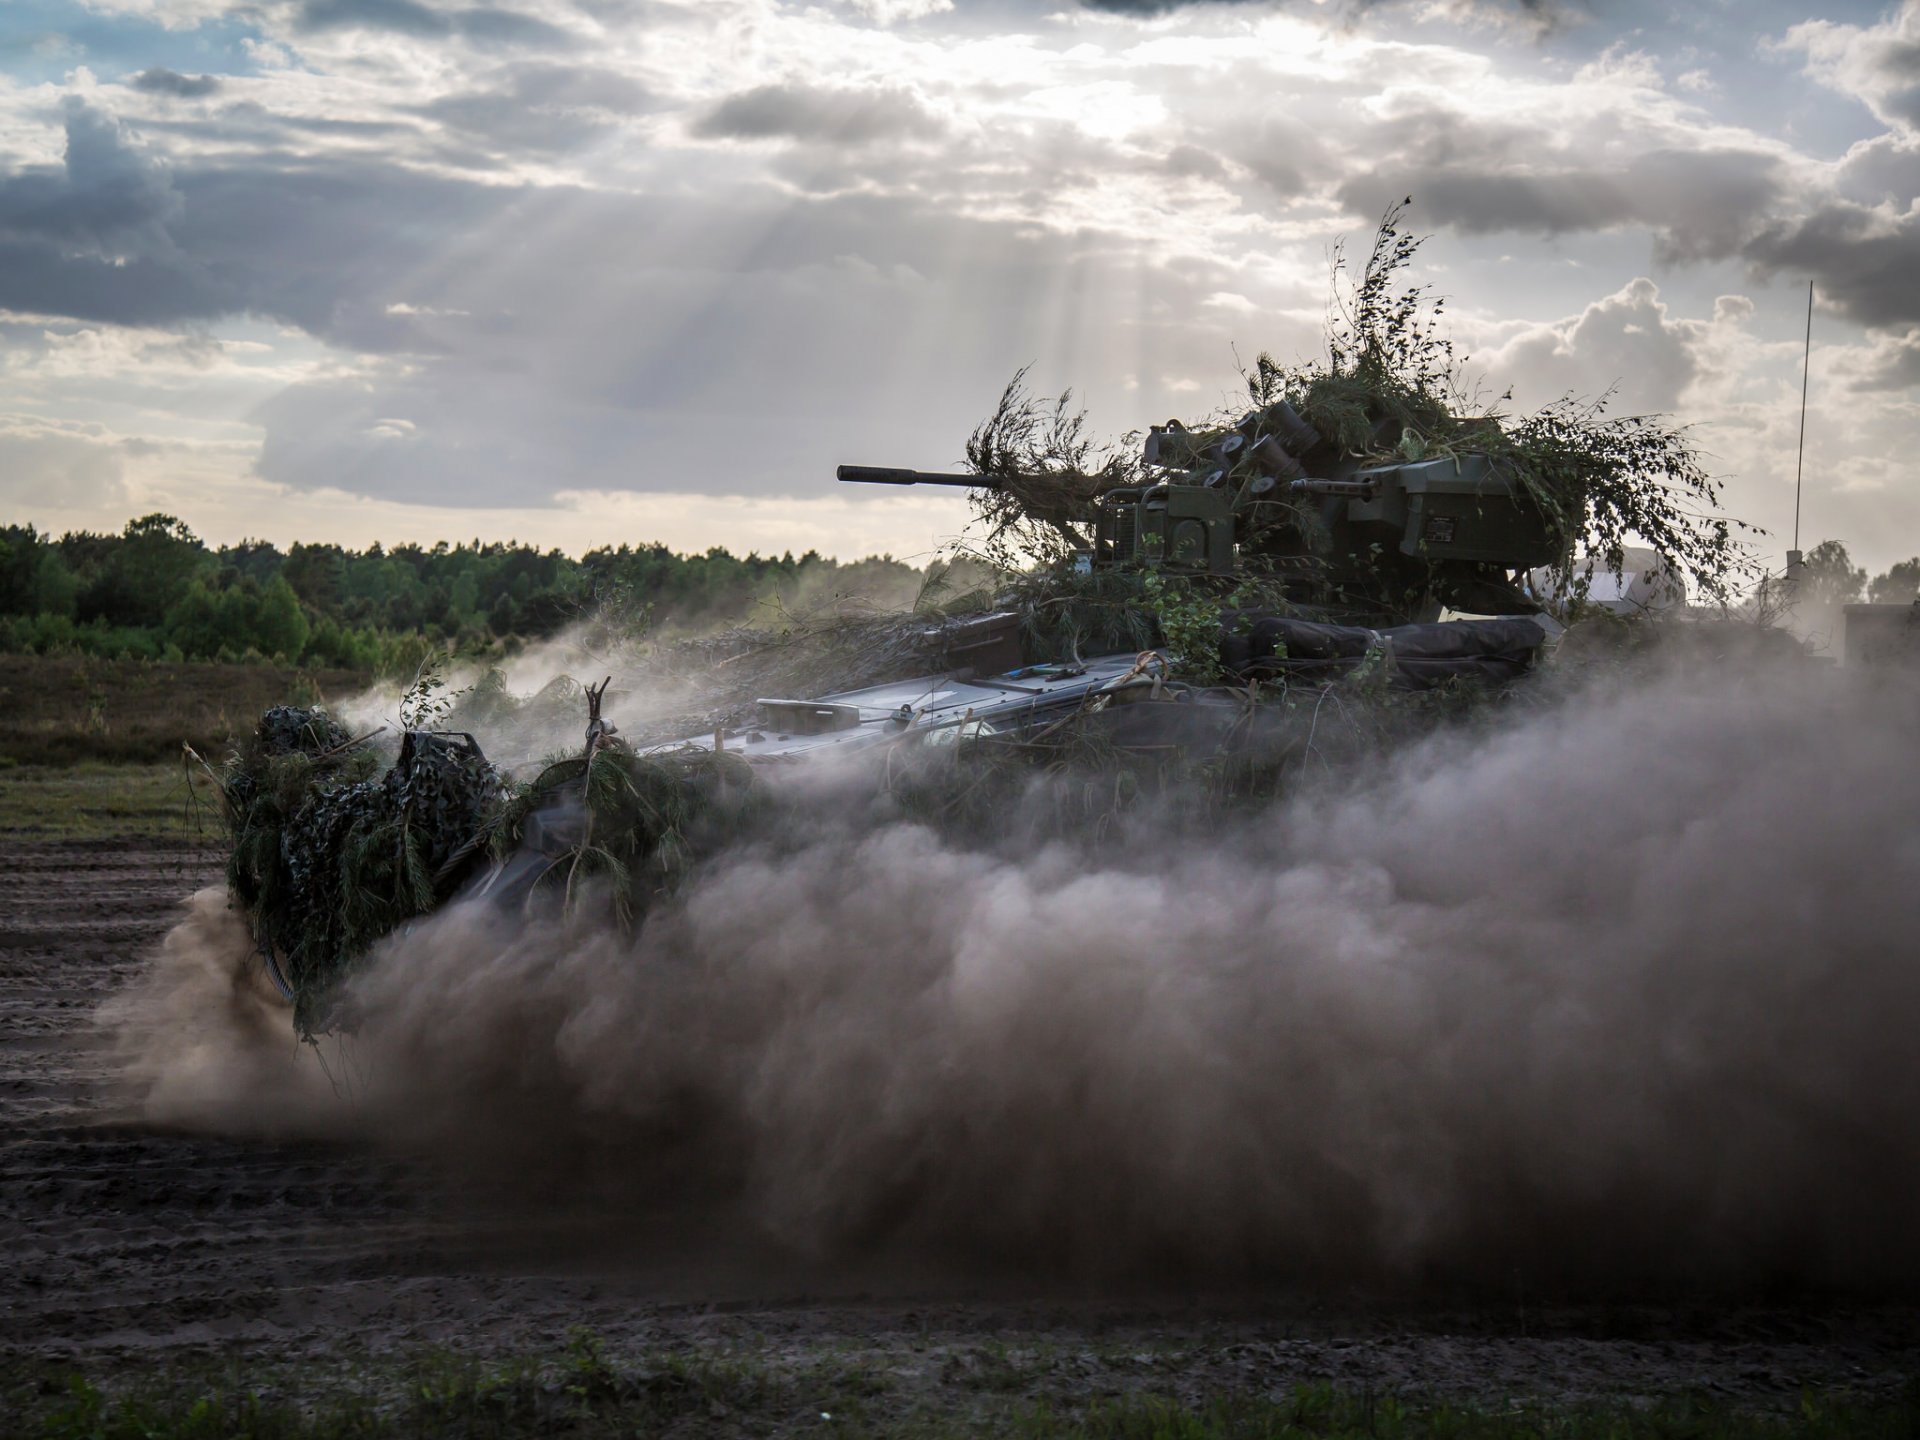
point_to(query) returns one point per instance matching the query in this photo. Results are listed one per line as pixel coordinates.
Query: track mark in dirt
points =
(114, 1232)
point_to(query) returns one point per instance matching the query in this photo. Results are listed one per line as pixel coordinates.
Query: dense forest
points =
(156, 591)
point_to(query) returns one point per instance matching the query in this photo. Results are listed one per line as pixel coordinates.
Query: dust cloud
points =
(204, 1042)
(1620, 991)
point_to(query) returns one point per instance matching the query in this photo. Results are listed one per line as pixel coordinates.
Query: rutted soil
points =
(120, 1242)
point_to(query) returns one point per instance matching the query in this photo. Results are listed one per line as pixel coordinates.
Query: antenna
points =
(1799, 464)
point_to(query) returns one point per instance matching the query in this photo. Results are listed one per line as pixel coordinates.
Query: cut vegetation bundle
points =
(331, 851)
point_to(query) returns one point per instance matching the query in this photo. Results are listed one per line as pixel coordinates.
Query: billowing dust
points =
(1623, 990)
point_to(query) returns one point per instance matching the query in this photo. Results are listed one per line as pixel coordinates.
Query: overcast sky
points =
(583, 271)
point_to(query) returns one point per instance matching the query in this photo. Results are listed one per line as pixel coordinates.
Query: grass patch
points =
(581, 1392)
(60, 709)
(102, 802)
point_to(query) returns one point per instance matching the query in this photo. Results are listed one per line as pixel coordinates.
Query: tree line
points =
(156, 591)
(1833, 579)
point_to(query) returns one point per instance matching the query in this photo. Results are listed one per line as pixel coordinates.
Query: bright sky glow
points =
(579, 272)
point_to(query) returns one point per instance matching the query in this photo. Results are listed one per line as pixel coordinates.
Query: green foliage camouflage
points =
(1389, 388)
(331, 851)
(646, 818)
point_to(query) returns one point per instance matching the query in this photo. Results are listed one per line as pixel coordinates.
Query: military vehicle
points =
(1356, 561)
(1376, 543)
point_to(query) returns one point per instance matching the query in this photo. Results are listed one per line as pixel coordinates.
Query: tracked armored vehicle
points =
(1342, 538)
(1355, 561)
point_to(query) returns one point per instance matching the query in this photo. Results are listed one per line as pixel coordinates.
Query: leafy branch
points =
(1050, 474)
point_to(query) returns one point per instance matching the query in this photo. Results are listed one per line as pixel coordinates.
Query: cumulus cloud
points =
(1877, 64)
(1625, 343)
(1891, 362)
(1883, 170)
(1848, 227)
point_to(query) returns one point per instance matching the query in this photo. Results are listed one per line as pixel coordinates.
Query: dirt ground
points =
(124, 1246)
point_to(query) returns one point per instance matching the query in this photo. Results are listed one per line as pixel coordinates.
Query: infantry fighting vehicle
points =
(1356, 561)
(1377, 543)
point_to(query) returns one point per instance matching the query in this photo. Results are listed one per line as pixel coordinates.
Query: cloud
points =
(109, 200)
(820, 114)
(480, 25)
(1158, 7)
(158, 80)
(892, 12)
(651, 342)
(1862, 258)
(540, 106)
(1891, 362)
(406, 17)
(1538, 11)
(1879, 65)
(1846, 226)
(1625, 343)
(1699, 204)
(652, 337)
(557, 270)
(115, 234)
(90, 352)
(1883, 170)
(168, 14)
(77, 463)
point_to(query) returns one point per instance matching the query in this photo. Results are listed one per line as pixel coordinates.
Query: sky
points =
(584, 272)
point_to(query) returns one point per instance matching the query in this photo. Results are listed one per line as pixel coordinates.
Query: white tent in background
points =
(1646, 584)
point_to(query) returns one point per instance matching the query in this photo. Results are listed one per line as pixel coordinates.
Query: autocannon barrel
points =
(884, 475)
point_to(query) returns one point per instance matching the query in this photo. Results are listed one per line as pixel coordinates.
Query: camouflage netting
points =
(330, 854)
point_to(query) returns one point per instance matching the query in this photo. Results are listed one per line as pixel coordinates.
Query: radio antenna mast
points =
(1799, 464)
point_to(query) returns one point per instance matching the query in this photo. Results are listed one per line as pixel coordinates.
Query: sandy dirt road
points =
(123, 1244)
